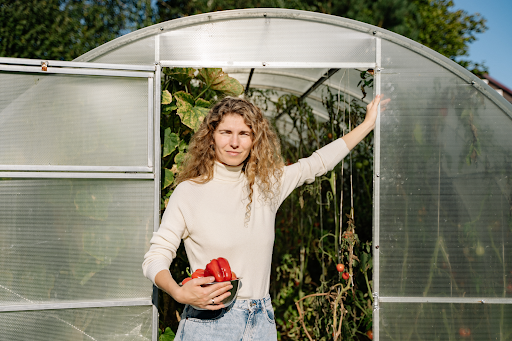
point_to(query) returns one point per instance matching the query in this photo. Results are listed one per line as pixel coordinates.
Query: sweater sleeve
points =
(166, 240)
(318, 164)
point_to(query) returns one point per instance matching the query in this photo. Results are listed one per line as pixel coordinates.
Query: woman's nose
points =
(234, 141)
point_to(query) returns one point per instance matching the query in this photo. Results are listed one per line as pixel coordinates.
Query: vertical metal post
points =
(157, 160)
(376, 193)
(151, 82)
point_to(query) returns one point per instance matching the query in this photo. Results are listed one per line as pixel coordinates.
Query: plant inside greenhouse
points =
(407, 238)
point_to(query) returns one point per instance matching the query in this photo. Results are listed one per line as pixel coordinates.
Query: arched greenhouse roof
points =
(281, 52)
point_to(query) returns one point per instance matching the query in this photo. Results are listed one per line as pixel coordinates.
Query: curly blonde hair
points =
(263, 166)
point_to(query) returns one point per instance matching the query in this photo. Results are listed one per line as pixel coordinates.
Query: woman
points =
(230, 188)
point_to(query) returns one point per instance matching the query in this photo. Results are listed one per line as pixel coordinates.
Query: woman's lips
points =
(233, 153)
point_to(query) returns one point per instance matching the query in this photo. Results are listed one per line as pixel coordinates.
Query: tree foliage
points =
(66, 29)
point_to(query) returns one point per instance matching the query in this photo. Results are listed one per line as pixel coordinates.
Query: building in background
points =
(502, 89)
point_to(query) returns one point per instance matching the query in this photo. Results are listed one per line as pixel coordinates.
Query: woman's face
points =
(233, 140)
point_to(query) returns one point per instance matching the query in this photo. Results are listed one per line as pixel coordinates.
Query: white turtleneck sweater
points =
(210, 219)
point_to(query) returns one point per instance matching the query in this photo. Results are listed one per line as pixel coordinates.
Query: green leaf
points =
(191, 112)
(168, 335)
(178, 159)
(182, 75)
(168, 109)
(171, 141)
(168, 178)
(215, 79)
(166, 97)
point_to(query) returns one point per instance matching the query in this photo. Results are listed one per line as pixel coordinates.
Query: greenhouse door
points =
(79, 200)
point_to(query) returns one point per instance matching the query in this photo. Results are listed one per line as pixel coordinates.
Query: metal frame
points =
(148, 172)
(264, 64)
(88, 69)
(376, 192)
(74, 305)
(75, 175)
(157, 164)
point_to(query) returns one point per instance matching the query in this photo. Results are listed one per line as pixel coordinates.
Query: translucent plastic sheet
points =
(74, 240)
(267, 40)
(69, 120)
(446, 187)
(88, 324)
(436, 321)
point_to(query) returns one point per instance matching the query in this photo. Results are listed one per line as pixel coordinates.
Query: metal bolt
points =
(264, 63)
(473, 82)
(482, 301)
(374, 32)
(379, 69)
(161, 28)
(377, 247)
(265, 15)
(377, 175)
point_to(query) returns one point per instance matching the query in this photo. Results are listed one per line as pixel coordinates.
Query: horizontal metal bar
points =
(51, 168)
(75, 305)
(85, 65)
(69, 175)
(481, 300)
(77, 71)
(262, 64)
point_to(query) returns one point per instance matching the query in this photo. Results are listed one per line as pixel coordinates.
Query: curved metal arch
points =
(243, 14)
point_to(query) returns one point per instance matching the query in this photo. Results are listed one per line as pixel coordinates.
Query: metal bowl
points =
(236, 283)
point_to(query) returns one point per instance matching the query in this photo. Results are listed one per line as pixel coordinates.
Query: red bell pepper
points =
(218, 268)
(199, 273)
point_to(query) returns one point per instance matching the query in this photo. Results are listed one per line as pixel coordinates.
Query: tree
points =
(65, 29)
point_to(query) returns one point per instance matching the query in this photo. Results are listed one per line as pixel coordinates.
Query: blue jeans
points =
(247, 320)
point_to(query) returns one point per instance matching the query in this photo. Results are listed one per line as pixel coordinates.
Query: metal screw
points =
(473, 82)
(161, 28)
(264, 63)
(374, 32)
(482, 301)
(377, 175)
(377, 247)
(265, 15)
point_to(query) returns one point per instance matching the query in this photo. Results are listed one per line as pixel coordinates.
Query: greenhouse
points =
(80, 162)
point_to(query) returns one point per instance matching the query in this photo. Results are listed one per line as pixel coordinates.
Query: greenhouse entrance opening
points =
(80, 162)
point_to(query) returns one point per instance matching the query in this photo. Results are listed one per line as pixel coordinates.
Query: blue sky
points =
(494, 46)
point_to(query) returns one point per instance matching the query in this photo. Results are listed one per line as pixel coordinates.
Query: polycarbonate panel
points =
(91, 324)
(68, 120)
(138, 52)
(267, 40)
(74, 239)
(445, 184)
(433, 321)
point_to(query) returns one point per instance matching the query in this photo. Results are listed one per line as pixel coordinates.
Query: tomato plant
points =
(340, 267)
(345, 275)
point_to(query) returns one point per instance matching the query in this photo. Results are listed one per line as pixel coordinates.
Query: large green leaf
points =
(217, 80)
(166, 97)
(168, 178)
(168, 335)
(182, 75)
(190, 111)
(171, 141)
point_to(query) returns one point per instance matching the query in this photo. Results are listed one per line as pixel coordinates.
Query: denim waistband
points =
(251, 304)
